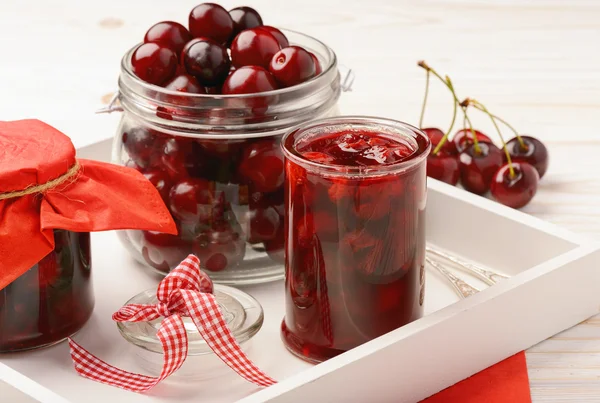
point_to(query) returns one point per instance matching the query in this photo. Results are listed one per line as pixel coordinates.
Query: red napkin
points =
(504, 382)
(98, 197)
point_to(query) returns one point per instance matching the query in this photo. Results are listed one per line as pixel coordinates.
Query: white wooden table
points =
(536, 63)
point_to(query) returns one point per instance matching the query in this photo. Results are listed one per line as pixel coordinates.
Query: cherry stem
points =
(499, 119)
(481, 107)
(424, 100)
(450, 87)
(443, 140)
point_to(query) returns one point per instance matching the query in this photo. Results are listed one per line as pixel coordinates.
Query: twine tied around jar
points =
(43, 187)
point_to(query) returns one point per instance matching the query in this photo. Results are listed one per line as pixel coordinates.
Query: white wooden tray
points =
(554, 284)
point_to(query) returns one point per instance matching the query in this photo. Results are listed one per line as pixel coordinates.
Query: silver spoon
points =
(487, 276)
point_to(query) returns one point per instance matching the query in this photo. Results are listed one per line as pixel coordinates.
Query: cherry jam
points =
(52, 300)
(355, 195)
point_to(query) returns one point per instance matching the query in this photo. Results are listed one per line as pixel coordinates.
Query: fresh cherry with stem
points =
(442, 163)
(478, 163)
(464, 138)
(514, 184)
(435, 135)
(448, 84)
(525, 148)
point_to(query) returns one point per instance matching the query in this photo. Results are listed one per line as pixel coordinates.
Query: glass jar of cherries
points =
(207, 135)
(52, 300)
(355, 199)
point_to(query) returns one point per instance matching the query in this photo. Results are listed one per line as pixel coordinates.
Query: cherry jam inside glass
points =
(355, 196)
(52, 300)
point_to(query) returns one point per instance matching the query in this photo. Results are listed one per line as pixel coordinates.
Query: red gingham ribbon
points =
(185, 291)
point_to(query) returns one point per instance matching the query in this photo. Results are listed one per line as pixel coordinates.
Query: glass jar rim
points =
(385, 125)
(126, 67)
(212, 116)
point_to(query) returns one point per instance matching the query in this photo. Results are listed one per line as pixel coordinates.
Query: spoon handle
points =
(462, 288)
(487, 276)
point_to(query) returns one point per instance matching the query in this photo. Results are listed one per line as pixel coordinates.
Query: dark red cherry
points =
(478, 169)
(292, 65)
(163, 251)
(161, 181)
(535, 153)
(435, 136)
(220, 247)
(161, 239)
(254, 47)
(210, 20)
(249, 80)
(318, 69)
(192, 200)
(518, 190)
(263, 224)
(262, 164)
(142, 145)
(169, 34)
(281, 38)
(153, 63)
(443, 167)
(174, 158)
(464, 138)
(48, 270)
(207, 61)
(244, 18)
(185, 83)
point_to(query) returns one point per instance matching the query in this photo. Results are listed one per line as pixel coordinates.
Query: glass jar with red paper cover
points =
(213, 152)
(49, 203)
(355, 198)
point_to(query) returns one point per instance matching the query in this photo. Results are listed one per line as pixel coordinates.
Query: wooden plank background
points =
(536, 63)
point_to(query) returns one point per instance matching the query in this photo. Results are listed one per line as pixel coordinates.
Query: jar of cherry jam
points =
(355, 197)
(52, 300)
(217, 162)
(50, 201)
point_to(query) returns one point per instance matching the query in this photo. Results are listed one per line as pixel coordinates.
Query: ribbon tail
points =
(206, 314)
(174, 343)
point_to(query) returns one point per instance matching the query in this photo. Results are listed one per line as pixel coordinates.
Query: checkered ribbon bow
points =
(185, 291)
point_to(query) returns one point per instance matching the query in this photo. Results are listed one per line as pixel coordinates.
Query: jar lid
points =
(241, 312)
(43, 186)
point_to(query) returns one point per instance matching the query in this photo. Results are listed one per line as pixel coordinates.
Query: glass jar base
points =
(306, 351)
(257, 268)
(3, 350)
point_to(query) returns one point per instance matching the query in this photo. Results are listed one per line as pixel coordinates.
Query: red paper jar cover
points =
(71, 194)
